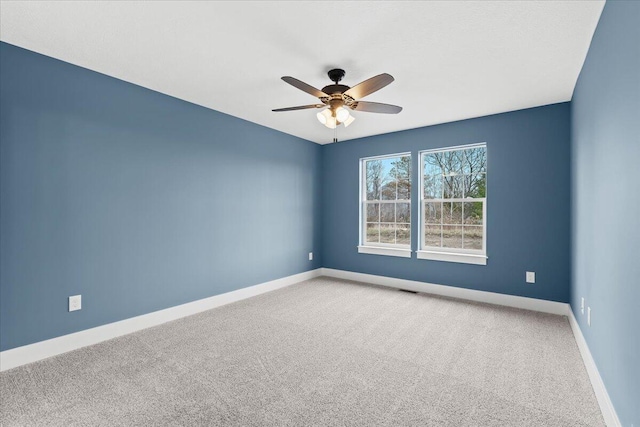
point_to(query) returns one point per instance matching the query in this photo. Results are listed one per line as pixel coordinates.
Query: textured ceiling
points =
(452, 60)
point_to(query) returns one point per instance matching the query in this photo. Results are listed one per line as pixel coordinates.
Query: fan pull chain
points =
(335, 134)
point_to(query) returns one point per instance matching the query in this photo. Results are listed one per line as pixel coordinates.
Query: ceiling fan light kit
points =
(337, 100)
(332, 118)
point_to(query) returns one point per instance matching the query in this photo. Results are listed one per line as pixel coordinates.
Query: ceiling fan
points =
(339, 99)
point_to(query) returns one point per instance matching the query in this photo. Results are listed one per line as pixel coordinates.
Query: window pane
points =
(473, 237)
(374, 179)
(389, 191)
(475, 168)
(387, 212)
(403, 234)
(474, 161)
(473, 213)
(431, 164)
(453, 186)
(475, 186)
(403, 212)
(373, 233)
(401, 170)
(452, 161)
(389, 185)
(373, 211)
(387, 233)
(433, 186)
(432, 234)
(404, 190)
(452, 213)
(433, 213)
(451, 236)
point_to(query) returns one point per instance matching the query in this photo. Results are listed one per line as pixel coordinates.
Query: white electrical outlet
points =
(310, 256)
(582, 306)
(589, 316)
(531, 277)
(75, 302)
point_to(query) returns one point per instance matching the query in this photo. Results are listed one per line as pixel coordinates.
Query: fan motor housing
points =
(333, 89)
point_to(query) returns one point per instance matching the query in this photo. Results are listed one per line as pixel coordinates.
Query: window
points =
(385, 208)
(453, 204)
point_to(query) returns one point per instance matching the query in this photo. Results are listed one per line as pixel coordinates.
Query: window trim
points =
(388, 249)
(380, 250)
(467, 256)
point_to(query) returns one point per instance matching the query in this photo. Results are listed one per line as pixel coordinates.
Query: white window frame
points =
(388, 249)
(467, 256)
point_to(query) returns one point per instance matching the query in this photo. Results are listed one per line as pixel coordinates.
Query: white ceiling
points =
(452, 60)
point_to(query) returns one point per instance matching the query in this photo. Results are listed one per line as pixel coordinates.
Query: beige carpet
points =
(324, 352)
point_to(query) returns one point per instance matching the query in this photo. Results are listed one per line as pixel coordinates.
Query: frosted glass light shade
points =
(331, 122)
(342, 114)
(350, 120)
(325, 117)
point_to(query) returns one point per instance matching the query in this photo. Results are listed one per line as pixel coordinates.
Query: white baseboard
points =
(534, 304)
(41, 350)
(606, 407)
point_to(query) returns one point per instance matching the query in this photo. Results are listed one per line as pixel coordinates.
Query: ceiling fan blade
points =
(301, 107)
(369, 86)
(376, 107)
(305, 87)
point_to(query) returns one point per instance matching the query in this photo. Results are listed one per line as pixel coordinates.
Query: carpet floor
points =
(324, 352)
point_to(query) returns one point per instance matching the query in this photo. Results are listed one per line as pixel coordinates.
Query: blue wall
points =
(606, 203)
(139, 201)
(136, 200)
(528, 203)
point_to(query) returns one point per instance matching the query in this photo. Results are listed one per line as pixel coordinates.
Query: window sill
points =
(377, 250)
(453, 257)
